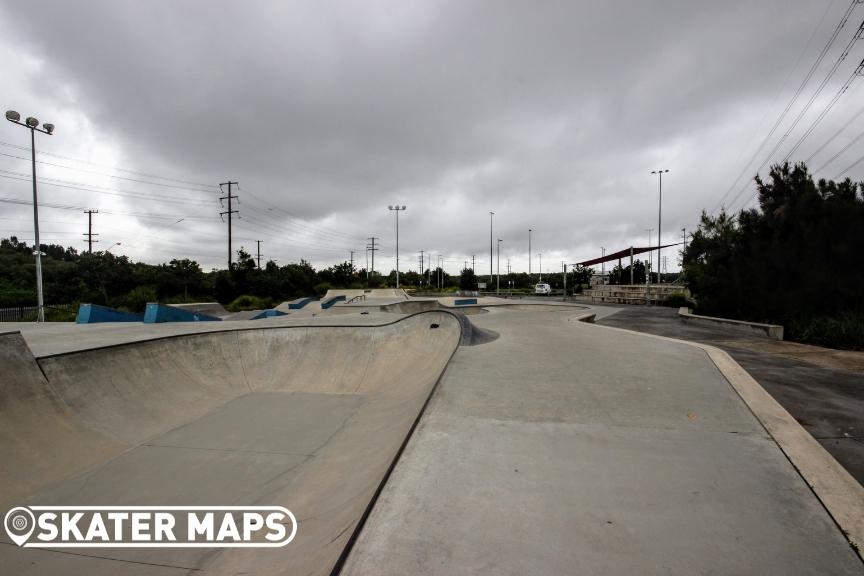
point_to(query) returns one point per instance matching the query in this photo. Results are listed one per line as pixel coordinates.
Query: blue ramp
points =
(299, 303)
(325, 304)
(93, 313)
(156, 313)
(270, 313)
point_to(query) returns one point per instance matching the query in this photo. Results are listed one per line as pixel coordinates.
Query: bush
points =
(678, 300)
(845, 331)
(138, 298)
(247, 302)
(11, 296)
(62, 315)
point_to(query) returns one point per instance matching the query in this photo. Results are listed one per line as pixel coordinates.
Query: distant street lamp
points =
(112, 246)
(32, 124)
(397, 209)
(659, 218)
(491, 215)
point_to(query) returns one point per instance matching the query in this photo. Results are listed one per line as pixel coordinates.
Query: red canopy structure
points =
(623, 253)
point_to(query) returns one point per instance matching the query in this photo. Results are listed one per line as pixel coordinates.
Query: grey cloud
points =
(550, 113)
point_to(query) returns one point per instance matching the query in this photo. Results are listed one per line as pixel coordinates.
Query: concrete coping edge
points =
(774, 331)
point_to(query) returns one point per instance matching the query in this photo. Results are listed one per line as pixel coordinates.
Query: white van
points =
(543, 289)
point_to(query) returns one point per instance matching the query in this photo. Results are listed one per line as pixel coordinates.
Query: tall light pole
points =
(659, 220)
(32, 124)
(112, 246)
(529, 254)
(540, 255)
(491, 214)
(397, 209)
(498, 271)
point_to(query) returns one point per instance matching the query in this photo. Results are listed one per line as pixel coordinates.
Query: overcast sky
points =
(550, 114)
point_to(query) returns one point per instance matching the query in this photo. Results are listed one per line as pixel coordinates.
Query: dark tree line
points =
(796, 260)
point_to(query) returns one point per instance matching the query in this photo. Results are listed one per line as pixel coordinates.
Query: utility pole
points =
(541, 266)
(498, 271)
(564, 265)
(229, 212)
(683, 246)
(529, 255)
(421, 266)
(603, 264)
(90, 233)
(472, 262)
(631, 265)
(371, 248)
(352, 263)
(259, 253)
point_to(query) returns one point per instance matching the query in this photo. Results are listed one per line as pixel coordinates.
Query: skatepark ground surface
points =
(548, 446)
(822, 388)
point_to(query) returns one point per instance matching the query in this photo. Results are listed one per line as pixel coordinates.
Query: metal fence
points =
(29, 313)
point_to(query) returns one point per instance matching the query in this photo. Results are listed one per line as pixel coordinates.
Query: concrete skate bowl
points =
(309, 418)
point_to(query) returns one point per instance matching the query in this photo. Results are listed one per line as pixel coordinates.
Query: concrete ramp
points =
(309, 418)
(209, 308)
(370, 293)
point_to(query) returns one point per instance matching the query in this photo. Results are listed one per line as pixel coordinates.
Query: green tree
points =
(467, 279)
(789, 261)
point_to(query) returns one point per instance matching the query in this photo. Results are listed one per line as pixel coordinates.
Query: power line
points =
(114, 212)
(795, 96)
(144, 174)
(835, 135)
(857, 72)
(841, 151)
(280, 232)
(848, 168)
(105, 174)
(300, 221)
(10, 175)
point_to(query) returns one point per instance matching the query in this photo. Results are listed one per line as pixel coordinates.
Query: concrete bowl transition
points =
(310, 418)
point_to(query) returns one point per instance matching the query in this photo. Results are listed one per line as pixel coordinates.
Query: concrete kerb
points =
(838, 491)
(774, 331)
